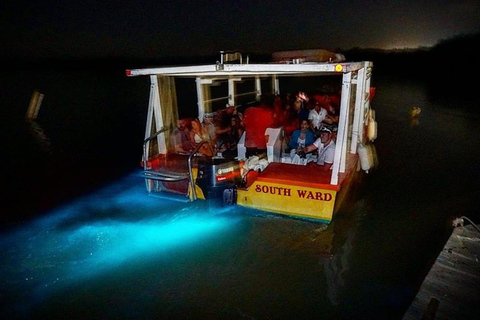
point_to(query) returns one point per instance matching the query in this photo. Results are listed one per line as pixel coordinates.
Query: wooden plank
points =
(34, 106)
(451, 289)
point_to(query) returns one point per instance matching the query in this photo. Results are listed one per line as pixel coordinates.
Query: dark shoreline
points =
(453, 54)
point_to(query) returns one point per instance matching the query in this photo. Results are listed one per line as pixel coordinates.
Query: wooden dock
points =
(451, 289)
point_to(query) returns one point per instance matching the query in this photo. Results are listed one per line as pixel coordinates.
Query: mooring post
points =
(34, 107)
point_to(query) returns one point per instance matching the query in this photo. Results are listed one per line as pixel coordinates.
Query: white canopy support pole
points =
(276, 84)
(148, 125)
(148, 128)
(200, 101)
(232, 92)
(157, 114)
(341, 143)
(258, 88)
(357, 132)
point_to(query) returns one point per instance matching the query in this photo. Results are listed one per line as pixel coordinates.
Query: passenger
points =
(181, 137)
(328, 95)
(326, 149)
(198, 134)
(299, 107)
(331, 119)
(293, 117)
(303, 97)
(224, 117)
(316, 117)
(299, 111)
(232, 137)
(256, 120)
(335, 100)
(334, 133)
(302, 136)
(287, 104)
(210, 125)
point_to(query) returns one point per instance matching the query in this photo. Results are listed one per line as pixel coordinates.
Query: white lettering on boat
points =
(225, 170)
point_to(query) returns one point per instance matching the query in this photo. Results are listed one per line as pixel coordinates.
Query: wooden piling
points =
(35, 104)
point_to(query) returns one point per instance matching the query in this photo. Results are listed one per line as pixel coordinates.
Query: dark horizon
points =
(423, 61)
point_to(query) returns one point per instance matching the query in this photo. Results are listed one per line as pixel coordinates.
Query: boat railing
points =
(190, 171)
(157, 175)
(169, 176)
(227, 56)
(146, 141)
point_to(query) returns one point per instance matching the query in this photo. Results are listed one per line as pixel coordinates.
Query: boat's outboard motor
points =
(217, 174)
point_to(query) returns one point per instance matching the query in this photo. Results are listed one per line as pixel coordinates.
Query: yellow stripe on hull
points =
(289, 199)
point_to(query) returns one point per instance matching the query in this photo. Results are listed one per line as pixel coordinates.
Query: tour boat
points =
(269, 184)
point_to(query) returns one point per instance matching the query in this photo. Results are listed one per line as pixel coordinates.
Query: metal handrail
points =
(190, 157)
(153, 136)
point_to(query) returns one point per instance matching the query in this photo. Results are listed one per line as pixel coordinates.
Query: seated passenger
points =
(222, 124)
(299, 111)
(331, 118)
(210, 124)
(232, 137)
(301, 137)
(180, 137)
(326, 149)
(198, 134)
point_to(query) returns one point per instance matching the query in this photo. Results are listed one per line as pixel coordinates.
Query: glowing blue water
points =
(99, 233)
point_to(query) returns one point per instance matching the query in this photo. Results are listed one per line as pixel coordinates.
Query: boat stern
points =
(288, 199)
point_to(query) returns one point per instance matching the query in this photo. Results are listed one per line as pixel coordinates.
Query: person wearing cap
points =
(325, 146)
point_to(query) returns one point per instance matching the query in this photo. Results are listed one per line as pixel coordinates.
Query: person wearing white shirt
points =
(316, 116)
(325, 146)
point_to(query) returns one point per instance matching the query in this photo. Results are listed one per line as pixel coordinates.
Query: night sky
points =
(154, 28)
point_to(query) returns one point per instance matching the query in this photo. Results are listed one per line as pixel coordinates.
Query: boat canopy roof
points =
(267, 69)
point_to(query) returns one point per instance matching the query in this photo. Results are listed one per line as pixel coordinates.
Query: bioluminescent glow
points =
(98, 233)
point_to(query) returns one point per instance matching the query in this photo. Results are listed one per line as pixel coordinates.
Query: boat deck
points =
(451, 289)
(310, 175)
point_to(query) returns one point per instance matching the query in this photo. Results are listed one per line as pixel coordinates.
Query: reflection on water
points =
(115, 252)
(335, 262)
(415, 115)
(39, 135)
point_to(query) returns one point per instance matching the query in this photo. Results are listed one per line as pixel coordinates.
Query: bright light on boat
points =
(338, 68)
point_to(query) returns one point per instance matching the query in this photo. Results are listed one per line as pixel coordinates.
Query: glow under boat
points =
(271, 184)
